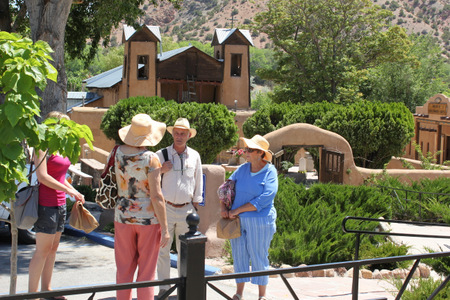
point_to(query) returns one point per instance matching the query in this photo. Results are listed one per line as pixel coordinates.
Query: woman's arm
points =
(246, 207)
(44, 178)
(158, 202)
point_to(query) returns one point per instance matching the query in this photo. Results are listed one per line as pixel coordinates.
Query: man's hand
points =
(166, 166)
(165, 237)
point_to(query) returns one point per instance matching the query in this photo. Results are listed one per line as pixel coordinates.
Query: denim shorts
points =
(51, 219)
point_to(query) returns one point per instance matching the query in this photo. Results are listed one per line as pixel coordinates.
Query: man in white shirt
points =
(182, 187)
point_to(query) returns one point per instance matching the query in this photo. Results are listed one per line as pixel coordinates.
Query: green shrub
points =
(307, 113)
(265, 119)
(421, 203)
(422, 288)
(87, 191)
(376, 131)
(69, 205)
(384, 249)
(441, 264)
(309, 220)
(216, 128)
(109, 227)
(285, 165)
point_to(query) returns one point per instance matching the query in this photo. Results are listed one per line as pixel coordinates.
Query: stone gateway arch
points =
(336, 156)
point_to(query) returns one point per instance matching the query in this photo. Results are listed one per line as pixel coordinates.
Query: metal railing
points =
(192, 283)
(401, 196)
(355, 284)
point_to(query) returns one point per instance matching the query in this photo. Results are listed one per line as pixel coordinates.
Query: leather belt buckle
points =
(177, 205)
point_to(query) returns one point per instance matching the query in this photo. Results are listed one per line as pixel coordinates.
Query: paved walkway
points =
(82, 262)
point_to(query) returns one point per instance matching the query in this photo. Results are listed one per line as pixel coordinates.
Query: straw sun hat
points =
(142, 132)
(260, 143)
(182, 123)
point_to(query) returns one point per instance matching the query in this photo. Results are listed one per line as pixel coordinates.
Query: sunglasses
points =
(250, 150)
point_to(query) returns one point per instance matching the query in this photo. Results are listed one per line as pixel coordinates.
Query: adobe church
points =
(185, 75)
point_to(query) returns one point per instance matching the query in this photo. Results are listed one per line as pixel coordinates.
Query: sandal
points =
(262, 298)
(237, 297)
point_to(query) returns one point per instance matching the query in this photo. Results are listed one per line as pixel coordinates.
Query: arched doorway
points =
(335, 153)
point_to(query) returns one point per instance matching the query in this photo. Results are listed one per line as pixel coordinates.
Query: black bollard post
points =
(192, 262)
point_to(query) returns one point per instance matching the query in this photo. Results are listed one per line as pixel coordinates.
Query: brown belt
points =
(177, 205)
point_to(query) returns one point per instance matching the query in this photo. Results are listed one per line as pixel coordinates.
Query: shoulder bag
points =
(26, 204)
(107, 192)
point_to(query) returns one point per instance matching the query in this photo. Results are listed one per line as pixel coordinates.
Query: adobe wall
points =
(210, 213)
(436, 106)
(306, 134)
(92, 117)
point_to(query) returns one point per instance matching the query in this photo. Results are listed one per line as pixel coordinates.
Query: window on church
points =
(143, 66)
(236, 65)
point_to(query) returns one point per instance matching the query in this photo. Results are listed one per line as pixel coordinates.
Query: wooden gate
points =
(331, 166)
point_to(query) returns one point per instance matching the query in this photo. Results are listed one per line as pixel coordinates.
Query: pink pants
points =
(136, 246)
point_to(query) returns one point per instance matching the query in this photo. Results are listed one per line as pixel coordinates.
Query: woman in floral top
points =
(140, 217)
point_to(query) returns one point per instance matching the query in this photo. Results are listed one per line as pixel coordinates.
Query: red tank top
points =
(57, 167)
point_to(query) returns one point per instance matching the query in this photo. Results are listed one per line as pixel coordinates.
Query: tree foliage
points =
(216, 128)
(376, 131)
(323, 47)
(410, 83)
(25, 65)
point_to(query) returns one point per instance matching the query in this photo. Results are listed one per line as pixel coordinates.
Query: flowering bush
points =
(238, 153)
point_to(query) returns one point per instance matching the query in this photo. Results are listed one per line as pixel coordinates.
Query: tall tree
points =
(410, 83)
(323, 47)
(83, 20)
(25, 66)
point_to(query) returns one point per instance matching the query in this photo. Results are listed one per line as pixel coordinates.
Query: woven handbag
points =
(107, 192)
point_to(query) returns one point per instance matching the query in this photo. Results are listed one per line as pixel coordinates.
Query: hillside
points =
(197, 19)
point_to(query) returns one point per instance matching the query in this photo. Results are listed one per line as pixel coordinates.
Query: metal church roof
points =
(168, 54)
(224, 33)
(77, 99)
(106, 79)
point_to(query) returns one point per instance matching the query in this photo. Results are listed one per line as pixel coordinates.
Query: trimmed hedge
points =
(376, 131)
(215, 124)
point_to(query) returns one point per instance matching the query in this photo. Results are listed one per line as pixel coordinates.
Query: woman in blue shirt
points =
(256, 185)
